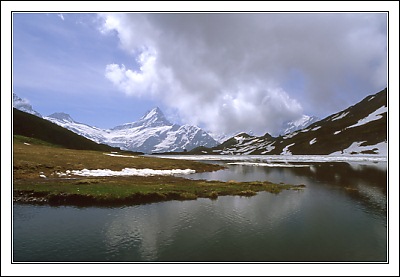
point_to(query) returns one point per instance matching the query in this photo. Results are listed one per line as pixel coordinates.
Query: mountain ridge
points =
(152, 133)
(359, 129)
(28, 125)
(23, 105)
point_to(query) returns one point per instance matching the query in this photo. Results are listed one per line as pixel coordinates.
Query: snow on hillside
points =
(339, 116)
(280, 158)
(301, 123)
(23, 105)
(371, 117)
(65, 120)
(286, 150)
(335, 133)
(357, 148)
(151, 133)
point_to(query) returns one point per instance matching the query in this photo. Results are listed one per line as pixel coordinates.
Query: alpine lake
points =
(340, 216)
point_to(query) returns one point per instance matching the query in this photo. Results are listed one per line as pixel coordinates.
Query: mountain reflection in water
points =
(340, 216)
(364, 182)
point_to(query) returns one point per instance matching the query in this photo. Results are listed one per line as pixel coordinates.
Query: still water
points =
(340, 216)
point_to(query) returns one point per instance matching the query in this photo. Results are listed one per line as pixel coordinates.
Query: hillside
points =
(359, 129)
(32, 126)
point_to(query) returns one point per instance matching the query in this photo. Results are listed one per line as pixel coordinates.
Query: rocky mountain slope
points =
(359, 129)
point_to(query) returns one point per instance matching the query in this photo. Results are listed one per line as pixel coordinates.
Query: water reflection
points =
(363, 182)
(340, 216)
(191, 230)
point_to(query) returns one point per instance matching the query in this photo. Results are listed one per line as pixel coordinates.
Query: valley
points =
(59, 161)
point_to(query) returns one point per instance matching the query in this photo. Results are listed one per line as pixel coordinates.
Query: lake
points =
(341, 216)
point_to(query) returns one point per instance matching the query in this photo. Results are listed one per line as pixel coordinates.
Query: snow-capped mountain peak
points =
(298, 124)
(155, 117)
(152, 133)
(23, 105)
(62, 116)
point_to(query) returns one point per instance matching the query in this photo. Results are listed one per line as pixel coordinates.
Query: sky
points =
(224, 72)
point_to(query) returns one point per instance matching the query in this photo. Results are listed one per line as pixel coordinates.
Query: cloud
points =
(231, 72)
(60, 15)
(136, 82)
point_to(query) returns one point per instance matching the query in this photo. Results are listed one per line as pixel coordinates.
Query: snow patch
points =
(340, 116)
(286, 151)
(131, 172)
(269, 164)
(333, 157)
(371, 117)
(290, 135)
(239, 139)
(356, 148)
(118, 155)
(314, 140)
(26, 143)
(268, 148)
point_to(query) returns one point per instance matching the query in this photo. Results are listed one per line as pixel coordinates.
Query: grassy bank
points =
(32, 160)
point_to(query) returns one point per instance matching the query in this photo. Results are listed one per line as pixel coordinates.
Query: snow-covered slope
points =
(65, 120)
(152, 133)
(23, 105)
(301, 123)
(359, 129)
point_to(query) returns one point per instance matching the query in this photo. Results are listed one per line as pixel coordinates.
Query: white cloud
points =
(60, 15)
(229, 72)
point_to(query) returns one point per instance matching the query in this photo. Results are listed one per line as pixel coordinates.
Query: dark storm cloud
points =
(231, 72)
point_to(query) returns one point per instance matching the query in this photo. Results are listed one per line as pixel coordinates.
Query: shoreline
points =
(138, 195)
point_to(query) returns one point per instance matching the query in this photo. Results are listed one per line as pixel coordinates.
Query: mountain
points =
(65, 120)
(152, 119)
(62, 117)
(287, 128)
(28, 125)
(359, 129)
(301, 123)
(152, 133)
(23, 105)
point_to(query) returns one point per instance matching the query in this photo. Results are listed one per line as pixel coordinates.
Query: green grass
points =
(29, 161)
(134, 190)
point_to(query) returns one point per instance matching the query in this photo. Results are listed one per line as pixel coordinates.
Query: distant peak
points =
(155, 117)
(62, 116)
(23, 105)
(152, 113)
